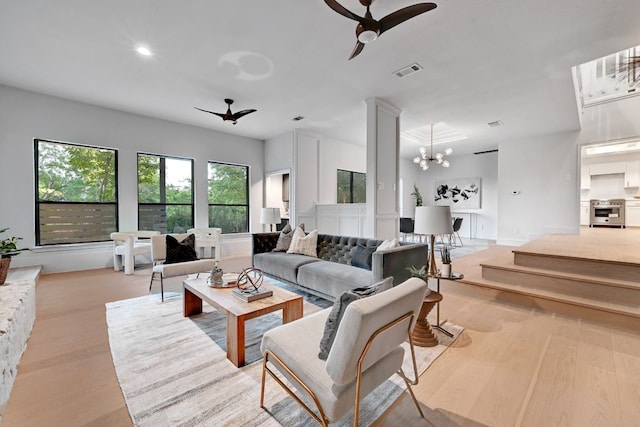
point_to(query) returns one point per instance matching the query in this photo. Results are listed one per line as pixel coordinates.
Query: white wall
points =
(484, 166)
(26, 115)
(333, 155)
(545, 173)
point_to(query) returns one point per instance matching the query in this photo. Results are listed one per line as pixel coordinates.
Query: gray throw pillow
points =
(339, 307)
(362, 256)
(284, 239)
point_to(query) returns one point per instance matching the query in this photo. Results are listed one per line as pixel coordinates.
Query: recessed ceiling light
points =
(144, 51)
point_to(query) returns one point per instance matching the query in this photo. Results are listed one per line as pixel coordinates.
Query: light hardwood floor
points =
(518, 363)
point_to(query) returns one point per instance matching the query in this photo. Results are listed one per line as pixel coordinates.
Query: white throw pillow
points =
(389, 244)
(304, 245)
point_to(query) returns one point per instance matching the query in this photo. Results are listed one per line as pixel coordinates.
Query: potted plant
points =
(420, 273)
(445, 254)
(8, 248)
(416, 194)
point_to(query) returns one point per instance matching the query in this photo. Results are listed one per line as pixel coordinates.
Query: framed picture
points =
(461, 193)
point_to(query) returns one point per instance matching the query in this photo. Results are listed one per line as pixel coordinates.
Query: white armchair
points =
(126, 245)
(367, 350)
(207, 242)
(159, 255)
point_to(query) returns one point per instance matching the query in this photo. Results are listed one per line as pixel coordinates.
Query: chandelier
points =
(424, 160)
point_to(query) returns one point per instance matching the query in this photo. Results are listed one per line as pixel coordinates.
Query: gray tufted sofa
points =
(332, 273)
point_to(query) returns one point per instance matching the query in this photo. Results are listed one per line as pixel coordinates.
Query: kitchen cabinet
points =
(632, 174)
(585, 213)
(585, 178)
(608, 168)
(632, 213)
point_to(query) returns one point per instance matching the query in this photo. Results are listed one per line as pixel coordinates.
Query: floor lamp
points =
(433, 220)
(270, 216)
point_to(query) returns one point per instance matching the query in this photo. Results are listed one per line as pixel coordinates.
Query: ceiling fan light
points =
(367, 36)
(446, 164)
(448, 151)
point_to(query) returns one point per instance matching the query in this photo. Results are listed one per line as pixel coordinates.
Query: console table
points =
(17, 315)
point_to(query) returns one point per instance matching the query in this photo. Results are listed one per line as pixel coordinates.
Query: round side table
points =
(423, 334)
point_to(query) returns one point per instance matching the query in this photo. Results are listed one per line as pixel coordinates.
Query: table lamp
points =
(270, 216)
(433, 220)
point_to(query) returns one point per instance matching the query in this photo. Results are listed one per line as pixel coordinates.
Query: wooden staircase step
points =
(609, 269)
(510, 266)
(630, 310)
(581, 286)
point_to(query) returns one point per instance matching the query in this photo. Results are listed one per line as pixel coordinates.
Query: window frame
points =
(351, 180)
(247, 196)
(162, 158)
(38, 202)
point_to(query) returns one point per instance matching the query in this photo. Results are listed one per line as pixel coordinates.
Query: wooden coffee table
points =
(237, 311)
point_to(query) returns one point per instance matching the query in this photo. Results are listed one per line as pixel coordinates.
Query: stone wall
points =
(17, 315)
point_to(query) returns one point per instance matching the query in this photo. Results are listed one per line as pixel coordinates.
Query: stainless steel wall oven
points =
(607, 212)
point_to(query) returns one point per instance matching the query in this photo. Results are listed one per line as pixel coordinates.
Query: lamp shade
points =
(433, 220)
(270, 216)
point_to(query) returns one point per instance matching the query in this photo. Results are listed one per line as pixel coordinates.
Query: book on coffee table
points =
(252, 296)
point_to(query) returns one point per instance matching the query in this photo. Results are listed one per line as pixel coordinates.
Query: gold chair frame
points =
(321, 418)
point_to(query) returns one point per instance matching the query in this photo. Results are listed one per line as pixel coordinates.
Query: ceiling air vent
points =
(297, 118)
(495, 124)
(413, 68)
(486, 152)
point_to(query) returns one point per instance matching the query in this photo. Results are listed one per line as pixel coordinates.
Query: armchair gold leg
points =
(410, 390)
(322, 420)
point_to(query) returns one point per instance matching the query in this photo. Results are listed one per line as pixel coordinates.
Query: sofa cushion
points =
(284, 239)
(340, 248)
(389, 244)
(361, 256)
(180, 251)
(339, 307)
(281, 265)
(332, 278)
(304, 245)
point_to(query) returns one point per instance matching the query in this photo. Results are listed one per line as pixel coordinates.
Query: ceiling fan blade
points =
(399, 16)
(243, 113)
(333, 4)
(357, 49)
(210, 112)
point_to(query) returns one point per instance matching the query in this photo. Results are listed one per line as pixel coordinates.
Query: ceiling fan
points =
(369, 29)
(229, 116)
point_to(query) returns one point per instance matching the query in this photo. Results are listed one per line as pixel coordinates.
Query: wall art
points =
(458, 193)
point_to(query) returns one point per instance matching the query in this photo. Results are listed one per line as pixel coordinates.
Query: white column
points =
(383, 142)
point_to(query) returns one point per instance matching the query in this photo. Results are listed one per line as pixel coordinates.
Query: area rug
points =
(173, 370)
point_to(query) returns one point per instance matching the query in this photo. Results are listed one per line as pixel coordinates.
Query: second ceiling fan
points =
(369, 29)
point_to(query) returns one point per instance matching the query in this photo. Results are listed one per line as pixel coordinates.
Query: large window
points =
(165, 193)
(229, 197)
(352, 187)
(76, 193)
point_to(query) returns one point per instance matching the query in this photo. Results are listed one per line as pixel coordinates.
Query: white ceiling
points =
(507, 60)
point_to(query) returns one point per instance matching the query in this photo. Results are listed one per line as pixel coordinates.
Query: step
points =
(609, 269)
(580, 286)
(622, 310)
